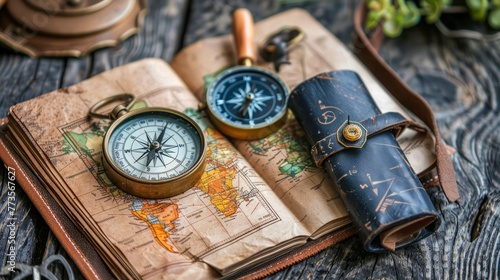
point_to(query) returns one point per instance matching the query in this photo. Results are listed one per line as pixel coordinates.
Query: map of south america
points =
(159, 216)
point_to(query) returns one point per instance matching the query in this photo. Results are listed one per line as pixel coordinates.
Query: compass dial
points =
(153, 146)
(247, 98)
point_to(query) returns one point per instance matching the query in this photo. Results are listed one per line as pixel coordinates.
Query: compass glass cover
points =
(155, 146)
(247, 97)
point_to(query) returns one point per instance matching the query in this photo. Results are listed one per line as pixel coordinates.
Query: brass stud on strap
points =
(352, 132)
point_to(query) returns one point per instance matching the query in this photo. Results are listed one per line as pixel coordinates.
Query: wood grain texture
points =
(459, 78)
(243, 32)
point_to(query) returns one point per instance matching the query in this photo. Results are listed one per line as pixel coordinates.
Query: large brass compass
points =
(151, 152)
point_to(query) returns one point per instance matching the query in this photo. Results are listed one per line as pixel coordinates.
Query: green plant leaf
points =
(494, 18)
(412, 17)
(392, 28)
(432, 10)
(477, 9)
(474, 4)
(372, 20)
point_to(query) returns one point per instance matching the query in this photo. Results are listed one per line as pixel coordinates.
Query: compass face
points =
(155, 145)
(247, 97)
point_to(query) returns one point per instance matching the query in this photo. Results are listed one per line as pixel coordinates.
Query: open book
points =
(256, 200)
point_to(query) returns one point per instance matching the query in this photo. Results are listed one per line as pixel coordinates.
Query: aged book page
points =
(229, 216)
(283, 158)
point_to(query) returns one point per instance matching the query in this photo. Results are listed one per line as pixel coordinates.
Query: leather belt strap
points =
(330, 145)
(367, 52)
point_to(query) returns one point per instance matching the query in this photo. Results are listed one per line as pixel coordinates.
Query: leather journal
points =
(246, 218)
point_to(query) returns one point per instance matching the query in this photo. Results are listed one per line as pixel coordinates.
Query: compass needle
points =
(236, 100)
(145, 153)
(248, 89)
(142, 142)
(151, 154)
(163, 153)
(163, 143)
(257, 106)
(250, 113)
(161, 159)
(263, 98)
(138, 160)
(147, 136)
(162, 133)
(244, 109)
(169, 146)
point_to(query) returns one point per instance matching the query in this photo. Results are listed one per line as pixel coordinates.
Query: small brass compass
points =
(246, 102)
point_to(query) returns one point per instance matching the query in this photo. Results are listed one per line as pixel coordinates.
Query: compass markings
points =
(155, 148)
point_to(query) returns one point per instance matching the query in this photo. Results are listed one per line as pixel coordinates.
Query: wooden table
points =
(460, 79)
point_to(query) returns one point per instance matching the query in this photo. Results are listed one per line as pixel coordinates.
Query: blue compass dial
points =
(247, 97)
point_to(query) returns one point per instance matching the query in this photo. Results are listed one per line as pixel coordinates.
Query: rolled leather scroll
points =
(356, 144)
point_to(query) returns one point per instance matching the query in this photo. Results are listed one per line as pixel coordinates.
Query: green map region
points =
(291, 138)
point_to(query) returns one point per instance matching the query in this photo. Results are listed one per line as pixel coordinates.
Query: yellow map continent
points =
(217, 180)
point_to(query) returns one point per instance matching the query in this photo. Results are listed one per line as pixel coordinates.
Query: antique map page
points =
(283, 159)
(230, 215)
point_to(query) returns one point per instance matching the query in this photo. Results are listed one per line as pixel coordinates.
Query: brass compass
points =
(151, 152)
(246, 102)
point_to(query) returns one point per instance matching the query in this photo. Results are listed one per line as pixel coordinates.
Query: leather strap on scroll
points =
(366, 50)
(389, 121)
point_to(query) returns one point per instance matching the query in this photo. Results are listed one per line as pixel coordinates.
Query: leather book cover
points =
(76, 245)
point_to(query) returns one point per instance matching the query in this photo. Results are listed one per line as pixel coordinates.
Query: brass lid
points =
(68, 27)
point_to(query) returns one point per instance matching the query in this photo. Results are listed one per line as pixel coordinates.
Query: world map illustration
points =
(223, 184)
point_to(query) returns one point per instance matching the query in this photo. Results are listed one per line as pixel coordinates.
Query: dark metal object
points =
(275, 48)
(71, 28)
